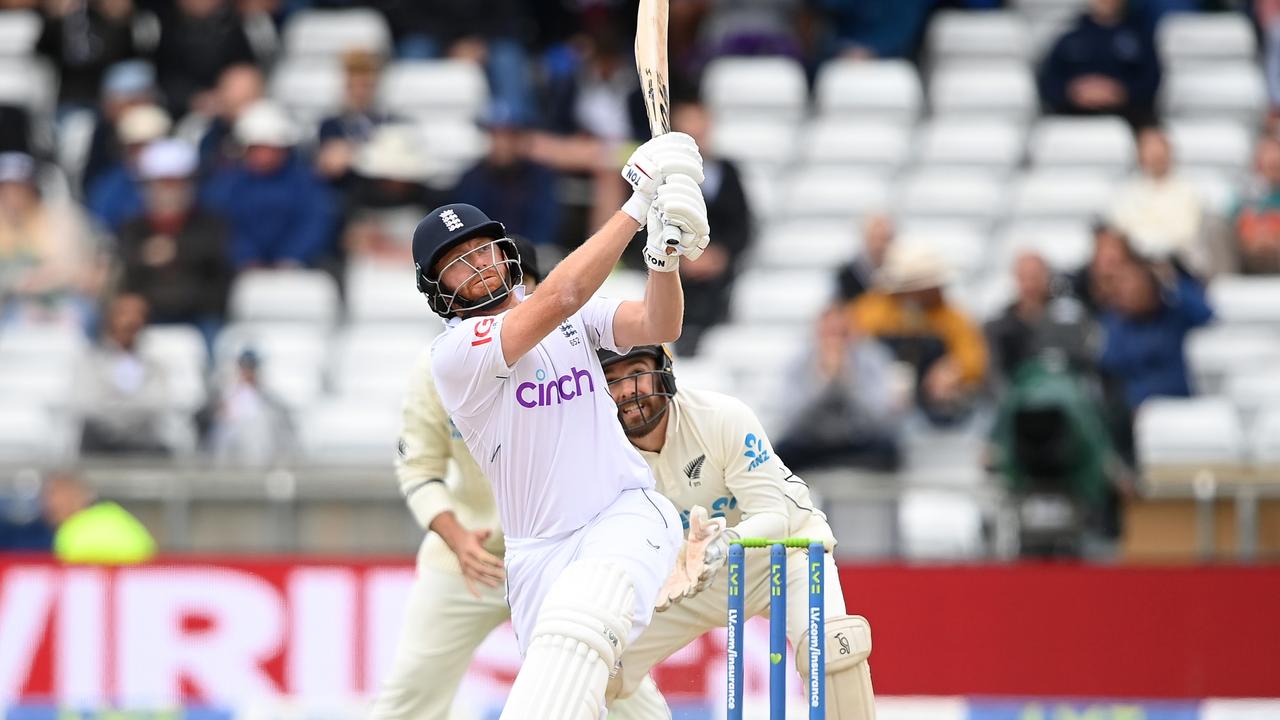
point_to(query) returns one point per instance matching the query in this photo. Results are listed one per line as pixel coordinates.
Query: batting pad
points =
(646, 703)
(849, 692)
(580, 634)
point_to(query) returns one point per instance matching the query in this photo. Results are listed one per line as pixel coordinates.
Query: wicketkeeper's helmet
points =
(663, 382)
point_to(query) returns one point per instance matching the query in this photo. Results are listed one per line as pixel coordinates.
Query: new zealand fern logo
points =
(693, 470)
(757, 451)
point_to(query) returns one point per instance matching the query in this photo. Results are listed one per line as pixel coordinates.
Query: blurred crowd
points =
(193, 175)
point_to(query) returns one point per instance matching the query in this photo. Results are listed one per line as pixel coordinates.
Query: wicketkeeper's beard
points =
(641, 414)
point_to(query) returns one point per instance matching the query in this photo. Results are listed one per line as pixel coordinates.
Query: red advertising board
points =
(223, 631)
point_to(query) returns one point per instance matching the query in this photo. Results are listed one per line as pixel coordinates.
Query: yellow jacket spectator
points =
(92, 532)
(909, 312)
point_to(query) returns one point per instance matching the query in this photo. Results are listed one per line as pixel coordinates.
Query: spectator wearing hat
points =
(1105, 65)
(342, 135)
(280, 212)
(175, 253)
(248, 425)
(239, 87)
(909, 312)
(126, 85)
(123, 394)
(1160, 212)
(508, 185)
(116, 194)
(82, 40)
(387, 195)
(49, 266)
(198, 40)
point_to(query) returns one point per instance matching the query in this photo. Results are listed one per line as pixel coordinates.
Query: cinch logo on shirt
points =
(554, 391)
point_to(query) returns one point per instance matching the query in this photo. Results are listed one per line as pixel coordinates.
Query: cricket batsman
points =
(708, 450)
(589, 544)
(459, 593)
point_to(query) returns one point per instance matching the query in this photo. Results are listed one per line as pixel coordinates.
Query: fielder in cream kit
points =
(589, 544)
(708, 450)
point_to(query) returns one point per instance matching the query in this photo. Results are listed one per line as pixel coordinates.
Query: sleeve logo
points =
(482, 330)
(757, 452)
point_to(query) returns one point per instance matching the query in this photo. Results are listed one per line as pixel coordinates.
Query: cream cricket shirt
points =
(545, 431)
(716, 455)
(428, 441)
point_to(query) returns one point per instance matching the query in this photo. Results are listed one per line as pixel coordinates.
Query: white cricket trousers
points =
(443, 626)
(640, 531)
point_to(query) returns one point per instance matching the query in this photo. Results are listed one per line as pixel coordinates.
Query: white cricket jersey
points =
(717, 455)
(545, 431)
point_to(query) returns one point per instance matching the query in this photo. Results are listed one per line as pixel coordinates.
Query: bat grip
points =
(670, 237)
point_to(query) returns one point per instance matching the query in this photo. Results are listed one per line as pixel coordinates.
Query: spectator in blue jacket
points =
(115, 196)
(1151, 310)
(508, 185)
(281, 213)
(1105, 65)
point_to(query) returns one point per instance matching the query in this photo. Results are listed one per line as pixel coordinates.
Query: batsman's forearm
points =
(664, 306)
(581, 274)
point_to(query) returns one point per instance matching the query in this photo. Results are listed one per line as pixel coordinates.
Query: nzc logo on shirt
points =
(546, 392)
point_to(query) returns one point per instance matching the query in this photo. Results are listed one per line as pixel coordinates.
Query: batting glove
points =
(649, 165)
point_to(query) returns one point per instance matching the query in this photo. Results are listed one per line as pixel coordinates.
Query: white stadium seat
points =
(735, 347)
(1218, 351)
(795, 297)
(29, 433)
(984, 89)
(452, 145)
(46, 385)
(770, 88)
(939, 525)
(1239, 299)
(285, 296)
(349, 433)
(1253, 390)
(805, 245)
(1222, 91)
(977, 35)
(376, 361)
(1103, 144)
(831, 193)
(1207, 143)
(962, 245)
(1065, 244)
(32, 344)
(881, 90)
(1219, 190)
(309, 88)
(764, 144)
(624, 284)
(181, 350)
(1188, 431)
(1265, 444)
(986, 144)
(434, 89)
(1061, 194)
(333, 32)
(952, 194)
(873, 145)
(385, 293)
(28, 82)
(702, 374)
(19, 32)
(1184, 38)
